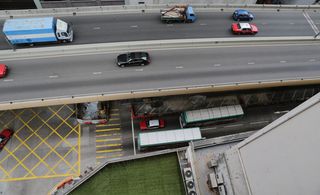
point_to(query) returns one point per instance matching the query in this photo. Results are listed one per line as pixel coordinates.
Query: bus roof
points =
(213, 113)
(169, 137)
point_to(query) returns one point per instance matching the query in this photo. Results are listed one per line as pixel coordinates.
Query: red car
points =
(151, 124)
(5, 135)
(3, 70)
(244, 28)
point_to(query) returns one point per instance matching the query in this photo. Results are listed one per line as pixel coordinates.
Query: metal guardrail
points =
(178, 90)
(96, 10)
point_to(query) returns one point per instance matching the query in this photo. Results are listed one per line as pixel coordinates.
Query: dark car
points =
(5, 135)
(133, 59)
(242, 15)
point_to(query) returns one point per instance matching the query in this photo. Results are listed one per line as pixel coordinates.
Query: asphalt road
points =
(83, 74)
(147, 26)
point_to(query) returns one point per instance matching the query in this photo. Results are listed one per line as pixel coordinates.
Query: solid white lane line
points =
(96, 28)
(134, 26)
(8, 80)
(281, 111)
(283, 61)
(139, 70)
(251, 63)
(258, 122)
(236, 125)
(133, 136)
(179, 67)
(208, 129)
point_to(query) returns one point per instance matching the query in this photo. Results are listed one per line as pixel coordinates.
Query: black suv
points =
(133, 59)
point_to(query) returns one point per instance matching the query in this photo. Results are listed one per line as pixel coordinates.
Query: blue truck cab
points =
(191, 16)
(37, 30)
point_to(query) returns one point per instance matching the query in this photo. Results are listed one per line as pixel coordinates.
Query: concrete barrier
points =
(146, 8)
(65, 50)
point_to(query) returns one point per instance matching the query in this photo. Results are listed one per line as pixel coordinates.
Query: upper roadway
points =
(97, 73)
(210, 24)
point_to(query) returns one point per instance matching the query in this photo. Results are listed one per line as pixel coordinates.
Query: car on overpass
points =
(133, 59)
(3, 70)
(244, 28)
(5, 136)
(242, 15)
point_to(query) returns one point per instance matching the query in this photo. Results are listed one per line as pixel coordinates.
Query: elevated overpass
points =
(207, 57)
(71, 74)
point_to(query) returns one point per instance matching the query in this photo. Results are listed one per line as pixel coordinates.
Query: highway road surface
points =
(97, 73)
(147, 26)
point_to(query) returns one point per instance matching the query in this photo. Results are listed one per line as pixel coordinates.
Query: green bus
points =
(197, 118)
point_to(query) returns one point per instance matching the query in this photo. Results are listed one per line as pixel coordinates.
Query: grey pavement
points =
(169, 68)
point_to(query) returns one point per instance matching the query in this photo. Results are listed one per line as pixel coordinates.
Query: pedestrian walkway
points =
(109, 138)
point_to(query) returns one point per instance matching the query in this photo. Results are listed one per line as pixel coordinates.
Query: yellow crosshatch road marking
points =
(108, 145)
(108, 135)
(108, 140)
(41, 131)
(111, 156)
(111, 150)
(107, 130)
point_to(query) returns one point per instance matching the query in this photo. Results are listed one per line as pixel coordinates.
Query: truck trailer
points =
(37, 30)
(178, 13)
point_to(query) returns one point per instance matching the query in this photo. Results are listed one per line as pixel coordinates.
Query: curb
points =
(152, 8)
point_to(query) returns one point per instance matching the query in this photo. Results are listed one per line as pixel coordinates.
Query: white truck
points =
(37, 30)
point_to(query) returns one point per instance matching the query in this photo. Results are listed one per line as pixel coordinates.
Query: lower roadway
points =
(97, 73)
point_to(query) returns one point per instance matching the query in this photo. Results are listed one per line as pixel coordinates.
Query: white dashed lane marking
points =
(96, 73)
(53, 76)
(8, 80)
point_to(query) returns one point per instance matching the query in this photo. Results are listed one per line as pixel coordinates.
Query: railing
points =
(96, 10)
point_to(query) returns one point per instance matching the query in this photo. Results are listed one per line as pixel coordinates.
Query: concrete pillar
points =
(38, 4)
